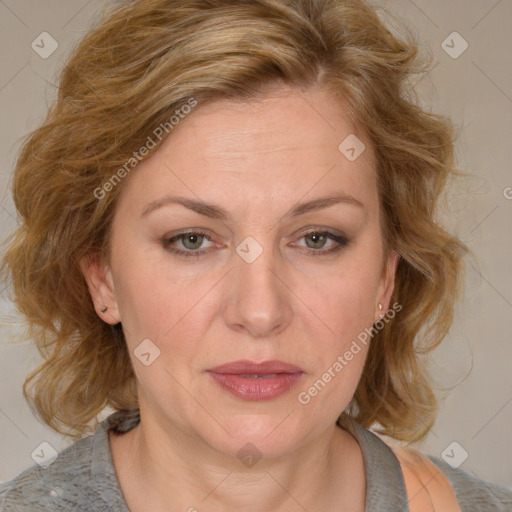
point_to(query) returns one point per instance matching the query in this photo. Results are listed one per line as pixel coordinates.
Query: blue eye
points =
(193, 240)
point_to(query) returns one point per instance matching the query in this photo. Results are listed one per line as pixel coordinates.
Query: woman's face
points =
(255, 284)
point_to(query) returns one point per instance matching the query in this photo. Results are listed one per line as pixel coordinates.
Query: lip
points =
(245, 366)
(236, 377)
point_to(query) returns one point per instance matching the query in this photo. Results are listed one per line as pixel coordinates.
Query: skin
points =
(427, 488)
(257, 160)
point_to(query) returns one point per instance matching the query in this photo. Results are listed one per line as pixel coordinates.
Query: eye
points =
(319, 238)
(191, 241)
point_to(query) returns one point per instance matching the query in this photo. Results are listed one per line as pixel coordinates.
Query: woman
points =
(227, 236)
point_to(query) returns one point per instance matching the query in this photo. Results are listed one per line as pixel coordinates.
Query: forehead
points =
(283, 146)
(284, 119)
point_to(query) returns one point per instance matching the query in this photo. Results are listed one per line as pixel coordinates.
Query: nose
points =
(259, 297)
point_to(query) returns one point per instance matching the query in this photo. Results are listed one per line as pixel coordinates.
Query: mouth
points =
(256, 381)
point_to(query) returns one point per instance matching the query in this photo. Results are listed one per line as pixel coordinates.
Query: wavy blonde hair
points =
(141, 61)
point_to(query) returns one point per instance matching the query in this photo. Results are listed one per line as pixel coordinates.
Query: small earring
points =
(380, 306)
(103, 309)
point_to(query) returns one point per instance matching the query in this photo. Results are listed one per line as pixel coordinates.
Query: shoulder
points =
(54, 487)
(427, 488)
(473, 493)
(82, 477)
(432, 484)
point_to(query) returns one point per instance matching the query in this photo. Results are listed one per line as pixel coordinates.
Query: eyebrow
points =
(217, 212)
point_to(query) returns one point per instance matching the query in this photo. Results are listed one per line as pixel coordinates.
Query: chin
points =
(266, 436)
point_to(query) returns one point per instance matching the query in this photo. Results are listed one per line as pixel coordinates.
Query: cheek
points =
(351, 303)
(340, 314)
(346, 311)
(343, 297)
(174, 305)
(162, 304)
(345, 304)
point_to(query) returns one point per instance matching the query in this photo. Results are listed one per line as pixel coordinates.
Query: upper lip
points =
(245, 367)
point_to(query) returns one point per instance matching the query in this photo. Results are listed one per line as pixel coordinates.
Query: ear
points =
(387, 283)
(101, 287)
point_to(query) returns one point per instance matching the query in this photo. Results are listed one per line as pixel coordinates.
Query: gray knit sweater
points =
(82, 478)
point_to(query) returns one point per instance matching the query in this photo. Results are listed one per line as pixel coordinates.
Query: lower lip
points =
(264, 388)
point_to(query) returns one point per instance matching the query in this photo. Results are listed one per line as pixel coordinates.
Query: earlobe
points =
(101, 287)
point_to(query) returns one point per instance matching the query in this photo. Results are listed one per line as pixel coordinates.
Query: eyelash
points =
(340, 240)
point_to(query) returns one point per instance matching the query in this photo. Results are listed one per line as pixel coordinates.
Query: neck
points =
(164, 469)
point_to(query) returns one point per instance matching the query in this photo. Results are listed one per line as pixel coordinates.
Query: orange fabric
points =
(428, 489)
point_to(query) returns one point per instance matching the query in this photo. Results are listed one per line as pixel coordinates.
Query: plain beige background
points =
(475, 88)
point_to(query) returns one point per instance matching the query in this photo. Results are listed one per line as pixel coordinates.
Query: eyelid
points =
(298, 234)
(178, 236)
(340, 241)
(317, 229)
